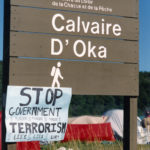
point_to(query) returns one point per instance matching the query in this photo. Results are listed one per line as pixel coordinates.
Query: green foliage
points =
(144, 87)
(93, 105)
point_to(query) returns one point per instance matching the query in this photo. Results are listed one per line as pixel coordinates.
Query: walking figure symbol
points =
(56, 74)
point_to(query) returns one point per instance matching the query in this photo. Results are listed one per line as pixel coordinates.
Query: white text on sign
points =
(80, 47)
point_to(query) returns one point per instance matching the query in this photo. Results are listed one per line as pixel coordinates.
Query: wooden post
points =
(11, 146)
(6, 44)
(130, 123)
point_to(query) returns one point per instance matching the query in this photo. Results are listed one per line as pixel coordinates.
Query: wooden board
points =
(40, 45)
(114, 7)
(40, 20)
(84, 77)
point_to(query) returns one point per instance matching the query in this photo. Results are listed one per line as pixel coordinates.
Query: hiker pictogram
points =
(56, 74)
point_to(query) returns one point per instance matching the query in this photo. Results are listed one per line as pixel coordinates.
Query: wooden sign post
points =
(91, 42)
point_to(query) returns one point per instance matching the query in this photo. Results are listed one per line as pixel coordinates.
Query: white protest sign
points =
(36, 113)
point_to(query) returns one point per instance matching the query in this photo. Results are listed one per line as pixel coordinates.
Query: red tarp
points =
(83, 132)
(89, 132)
(28, 146)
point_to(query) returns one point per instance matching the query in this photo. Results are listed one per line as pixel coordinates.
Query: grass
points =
(77, 145)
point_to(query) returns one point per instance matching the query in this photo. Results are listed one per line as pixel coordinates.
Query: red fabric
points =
(0, 130)
(83, 132)
(28, 146)
(89, 132)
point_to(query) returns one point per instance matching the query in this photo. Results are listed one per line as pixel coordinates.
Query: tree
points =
(0, 84)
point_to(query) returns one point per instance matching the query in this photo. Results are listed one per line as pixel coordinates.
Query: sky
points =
(144, 43)
(144, 38)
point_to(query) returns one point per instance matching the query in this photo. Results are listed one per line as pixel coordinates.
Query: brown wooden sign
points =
(84, 77)
(88, 45)
(59, 22)
(77, 48)
(96, 50)
(92, 49)
(114, 7)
